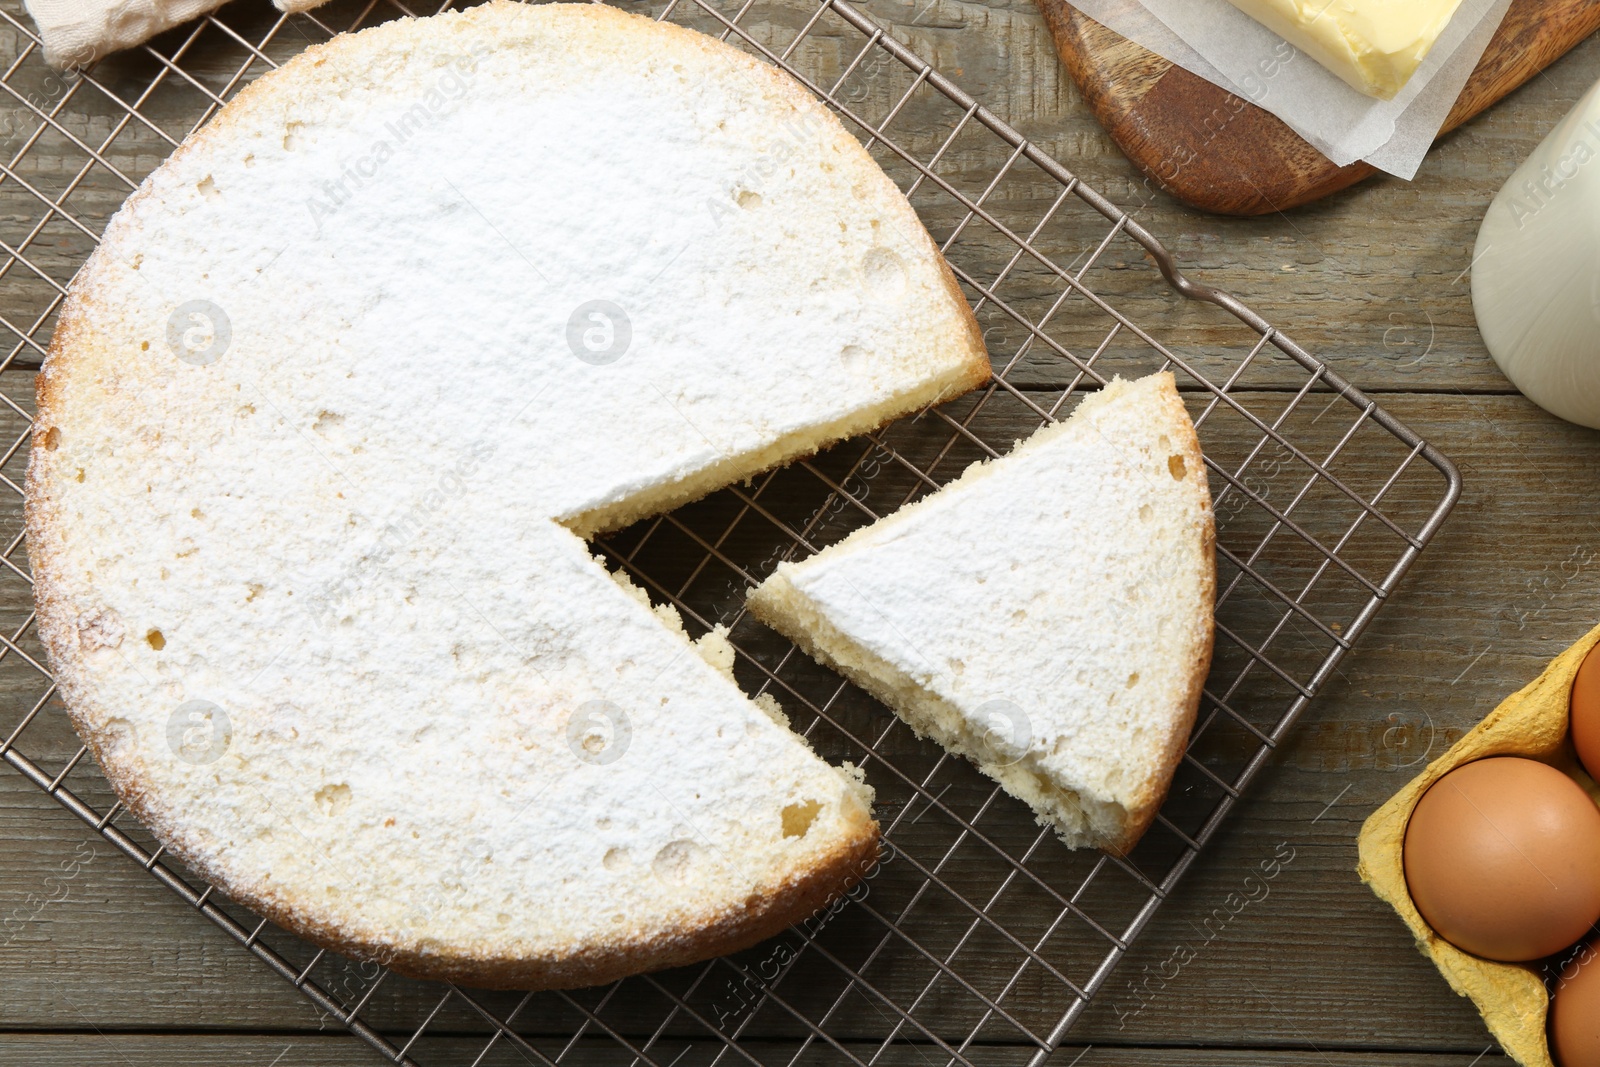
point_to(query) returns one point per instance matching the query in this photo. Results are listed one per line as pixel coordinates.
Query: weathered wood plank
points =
(299, 1050)
(1371, 279)
(1285, 969)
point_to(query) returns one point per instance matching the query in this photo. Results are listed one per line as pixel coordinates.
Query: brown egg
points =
(1502, 857)
(1575, 1012)
(1586, 712)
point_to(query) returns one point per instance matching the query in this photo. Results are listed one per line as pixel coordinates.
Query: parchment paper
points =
(1218, 42)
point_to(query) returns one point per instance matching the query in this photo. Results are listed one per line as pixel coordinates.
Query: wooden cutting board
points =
(1221, 153)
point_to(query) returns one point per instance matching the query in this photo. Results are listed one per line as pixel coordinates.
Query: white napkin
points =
(78, 32)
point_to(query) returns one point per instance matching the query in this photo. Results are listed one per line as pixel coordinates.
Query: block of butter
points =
(1374, 45)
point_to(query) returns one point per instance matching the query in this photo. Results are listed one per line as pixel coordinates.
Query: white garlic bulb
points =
(1536, 270)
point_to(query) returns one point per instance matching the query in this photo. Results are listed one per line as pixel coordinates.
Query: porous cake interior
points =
(1046, 615)
(1079, 823)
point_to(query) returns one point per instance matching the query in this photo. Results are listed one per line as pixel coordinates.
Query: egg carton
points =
(978, 938)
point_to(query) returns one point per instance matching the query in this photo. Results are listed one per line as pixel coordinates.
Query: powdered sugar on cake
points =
(1048, 614)
(325, 411)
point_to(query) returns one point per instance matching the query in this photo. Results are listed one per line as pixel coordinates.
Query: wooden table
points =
(1318, 972)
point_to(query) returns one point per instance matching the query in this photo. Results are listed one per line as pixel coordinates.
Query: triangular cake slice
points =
(1048, 615)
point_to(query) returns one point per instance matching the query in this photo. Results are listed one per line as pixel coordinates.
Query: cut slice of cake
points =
(1048, 615)
(327, 417)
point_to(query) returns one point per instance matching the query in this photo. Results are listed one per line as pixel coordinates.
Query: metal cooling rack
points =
(979, 939)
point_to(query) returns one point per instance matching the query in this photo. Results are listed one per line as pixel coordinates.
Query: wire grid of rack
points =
(979, 939)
